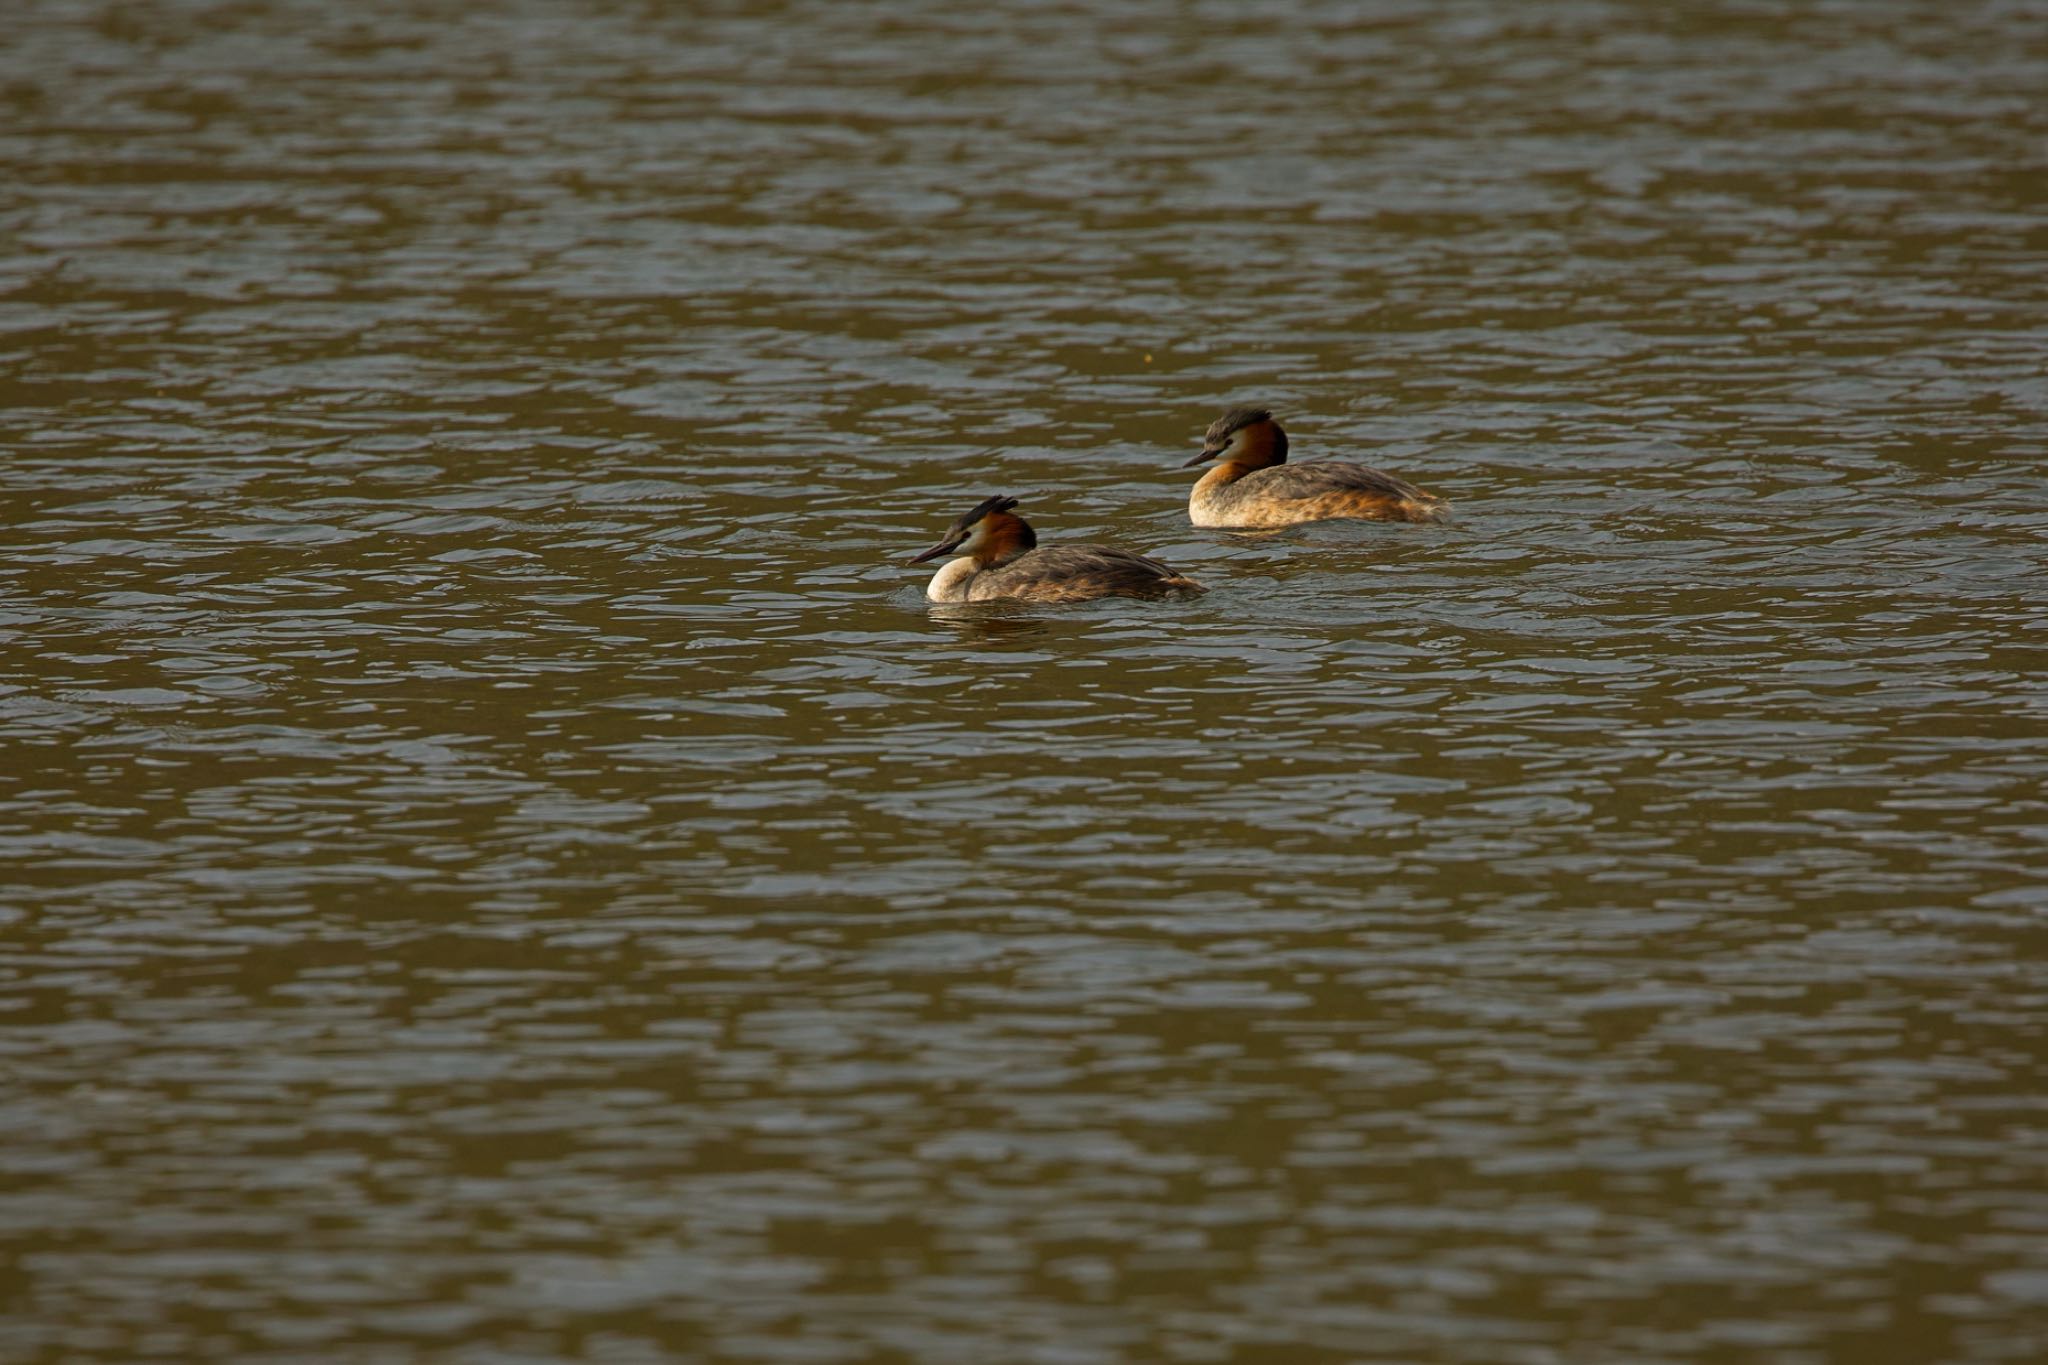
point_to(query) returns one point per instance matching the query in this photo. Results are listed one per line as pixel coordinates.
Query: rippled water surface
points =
(499, 861)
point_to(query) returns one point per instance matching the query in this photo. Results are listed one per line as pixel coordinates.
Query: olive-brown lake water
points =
(499, 861)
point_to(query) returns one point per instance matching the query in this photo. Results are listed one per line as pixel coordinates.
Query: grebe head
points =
(989, 533)
(1244, 436)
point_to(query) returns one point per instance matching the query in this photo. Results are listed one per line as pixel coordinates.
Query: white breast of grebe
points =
(950, 583)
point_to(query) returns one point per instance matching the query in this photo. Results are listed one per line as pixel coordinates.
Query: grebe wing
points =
(1084, 561)
(1320, 477)
(1087, 571)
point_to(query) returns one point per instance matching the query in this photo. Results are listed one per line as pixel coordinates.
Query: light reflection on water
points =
(500, 860)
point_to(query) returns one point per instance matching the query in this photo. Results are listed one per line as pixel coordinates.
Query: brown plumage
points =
(1002, 559)
(1254, 486)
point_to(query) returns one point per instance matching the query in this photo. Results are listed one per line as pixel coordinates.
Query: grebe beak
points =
(1208, 453)
(944, 547)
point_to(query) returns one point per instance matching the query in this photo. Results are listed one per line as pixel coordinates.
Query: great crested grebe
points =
(1254, 486)
(1002, 559)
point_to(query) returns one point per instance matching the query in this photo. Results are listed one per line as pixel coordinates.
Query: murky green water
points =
(499, 862)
